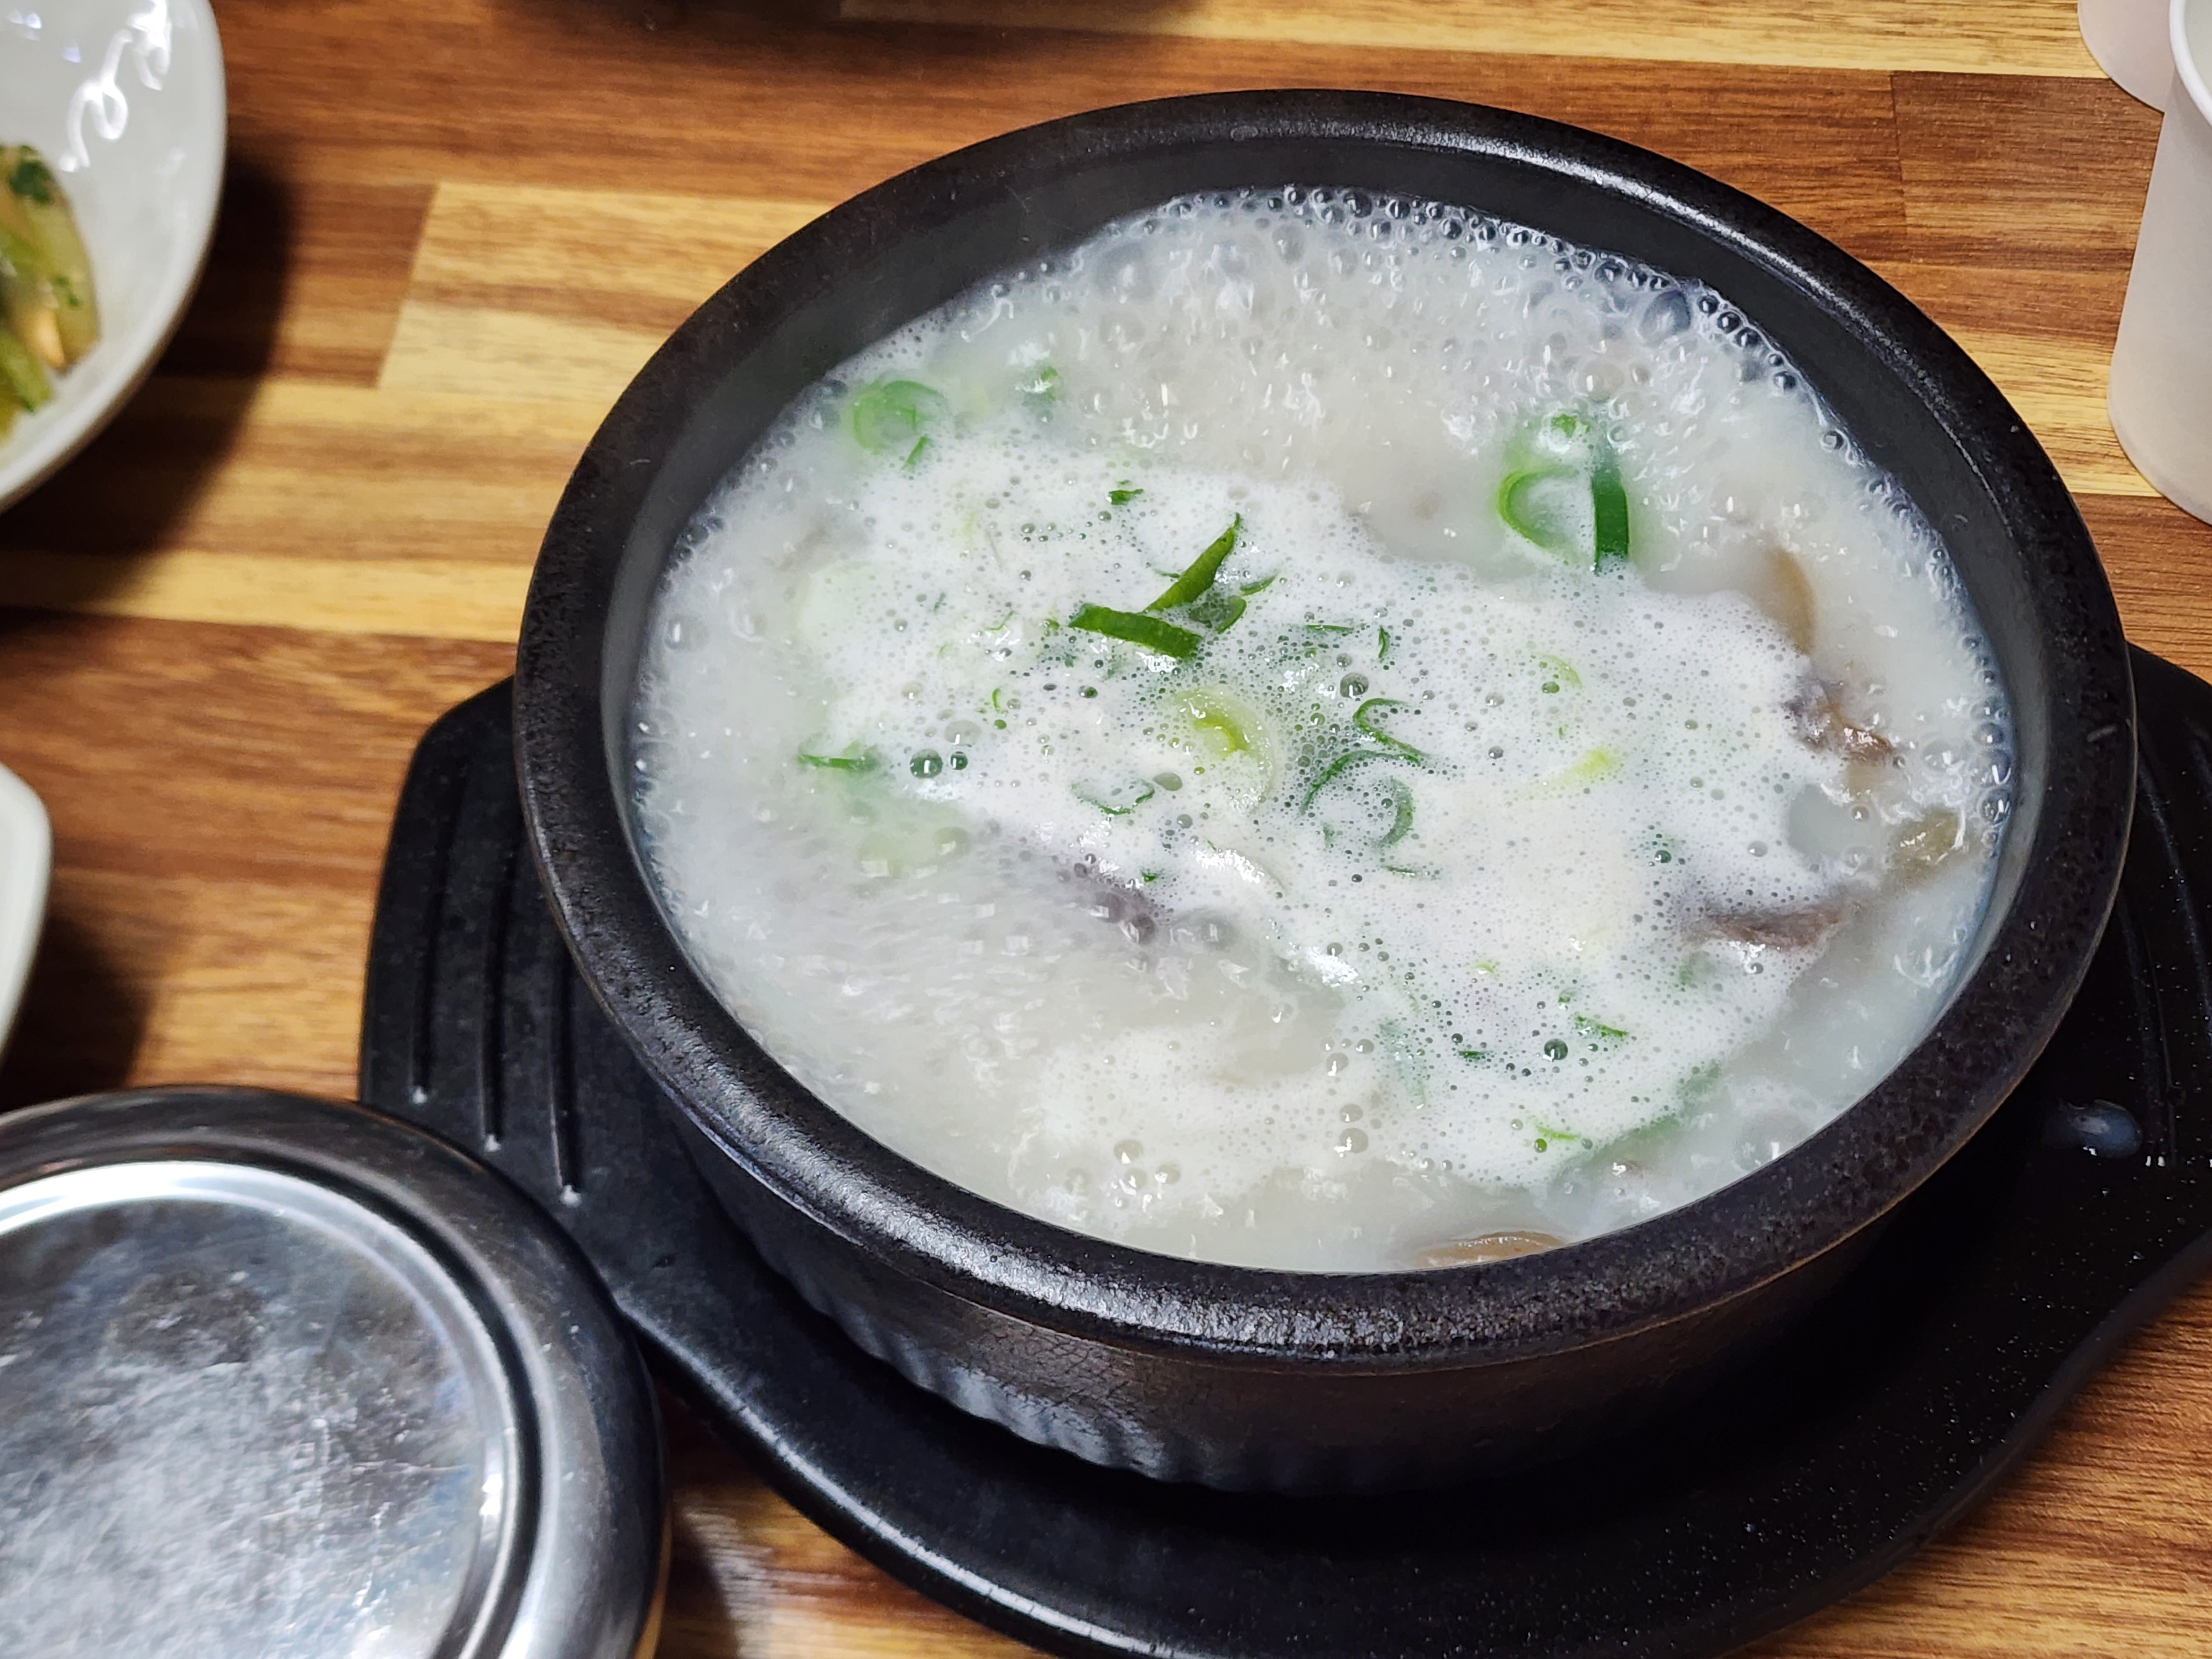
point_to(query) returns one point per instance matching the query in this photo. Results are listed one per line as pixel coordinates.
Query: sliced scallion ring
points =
(1546, 505)
(897, 415)
(1609, 514)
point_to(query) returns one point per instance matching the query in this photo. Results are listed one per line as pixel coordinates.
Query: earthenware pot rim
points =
(1681, 1262)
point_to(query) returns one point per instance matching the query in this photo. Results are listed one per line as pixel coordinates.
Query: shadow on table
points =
(80, 1021)
(728, 22)
(121, 498)
(720, 1568)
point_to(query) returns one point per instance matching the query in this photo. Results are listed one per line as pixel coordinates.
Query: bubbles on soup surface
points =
(1323, 730)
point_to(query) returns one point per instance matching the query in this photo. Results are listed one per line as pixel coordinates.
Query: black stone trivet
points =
(2084, 1205)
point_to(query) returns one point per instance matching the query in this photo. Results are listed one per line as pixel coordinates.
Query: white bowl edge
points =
(112, 41)
(25, 866)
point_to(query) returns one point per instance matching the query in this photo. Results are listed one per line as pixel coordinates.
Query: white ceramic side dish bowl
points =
(25, 861)
(125, 99)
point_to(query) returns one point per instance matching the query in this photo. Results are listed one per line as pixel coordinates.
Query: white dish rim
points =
(26, 869)
(43, 453)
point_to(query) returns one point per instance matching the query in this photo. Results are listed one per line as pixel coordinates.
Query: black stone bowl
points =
(1236, 1377)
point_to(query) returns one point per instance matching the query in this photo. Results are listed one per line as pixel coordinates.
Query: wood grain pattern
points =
(451, 232)
(2038, 175)
(2034, 39)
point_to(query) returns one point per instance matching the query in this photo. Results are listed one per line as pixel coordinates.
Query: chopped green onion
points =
(1538, 504)
(1381, 645)
(1598, 764)
(1332, 629)
(1200, 577)
(1116, 802)
(1335, 769)
(1225, 735)
(1364, 718)
(1402, 812)
(1044, 384)
(915, 454)
(854, 759)
(1259, 587)
(1544, 501)
(1150, 632)
(1594, 767)
(1474, 1053)
(1585, 1026)
(1395, 795)
(1123, 493)
(894, 414)
(1609, 507)
(30, 179)
(1216, 610)
(1409, 1059)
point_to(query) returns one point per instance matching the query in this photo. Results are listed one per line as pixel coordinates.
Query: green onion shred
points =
(1364, 717)
(854, 759)
(1137, 628)
(1199, 577)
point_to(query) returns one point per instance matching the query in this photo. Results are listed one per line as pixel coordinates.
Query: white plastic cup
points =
(2128, 40)
(2159, 396)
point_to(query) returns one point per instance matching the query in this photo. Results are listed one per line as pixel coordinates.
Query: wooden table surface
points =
(453, 229)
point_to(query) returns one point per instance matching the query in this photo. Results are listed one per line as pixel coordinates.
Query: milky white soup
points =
(1326, 732)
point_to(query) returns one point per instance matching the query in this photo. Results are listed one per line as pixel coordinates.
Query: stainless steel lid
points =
(281, 1378)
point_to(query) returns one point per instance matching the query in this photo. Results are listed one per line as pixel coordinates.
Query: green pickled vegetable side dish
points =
(19, 373)
(47, 308)
(29, 179)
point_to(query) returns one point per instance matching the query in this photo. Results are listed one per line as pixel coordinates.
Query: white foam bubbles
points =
(1427, 881)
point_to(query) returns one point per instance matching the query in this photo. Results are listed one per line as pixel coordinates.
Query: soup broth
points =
(1322, 731)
